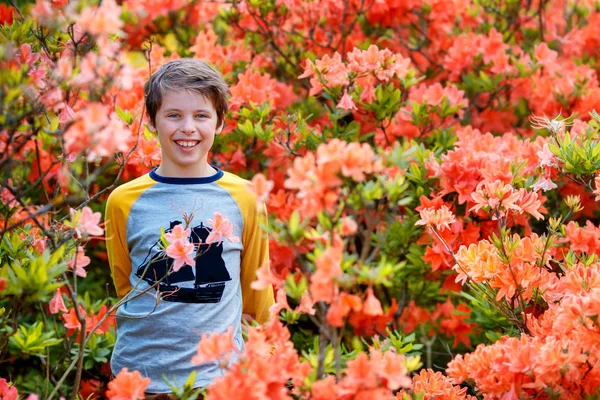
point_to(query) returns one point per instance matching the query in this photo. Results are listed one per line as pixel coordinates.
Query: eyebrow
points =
(178, 110)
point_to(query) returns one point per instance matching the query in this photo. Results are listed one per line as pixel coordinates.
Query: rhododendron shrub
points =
(430, 169)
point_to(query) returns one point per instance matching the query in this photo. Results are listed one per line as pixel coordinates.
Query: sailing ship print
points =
(203, 283)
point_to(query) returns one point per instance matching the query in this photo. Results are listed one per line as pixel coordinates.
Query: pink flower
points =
(57, 304)
(80, 262)
(546, 157)
(181, 251)
(86, 222)
(66, 115)
(597, 187)
(221, 229)
(346, 102)
(544, 184)
(6, 392)
(177, 233)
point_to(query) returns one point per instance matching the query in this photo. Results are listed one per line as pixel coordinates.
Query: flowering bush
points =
(430, 169)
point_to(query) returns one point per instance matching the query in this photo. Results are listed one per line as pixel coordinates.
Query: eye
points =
(172, 115)
(202, 116)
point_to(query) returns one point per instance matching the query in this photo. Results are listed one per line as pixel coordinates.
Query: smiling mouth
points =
(188, 144)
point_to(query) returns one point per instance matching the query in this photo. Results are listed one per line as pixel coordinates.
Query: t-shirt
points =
(158, 328)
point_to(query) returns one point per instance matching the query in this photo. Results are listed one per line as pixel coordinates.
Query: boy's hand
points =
(247, 318)
(246, 321)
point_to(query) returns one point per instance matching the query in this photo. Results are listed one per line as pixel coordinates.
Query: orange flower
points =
(253, 87)
(216, 346)
(127, 386)
(328, 267)
(105, 19)
(391, 369)
(260, 187)
(452, 322)
(348, 227)
(372, 305)
(265, 278)
(530, 203)
(434, 385)
(341, 308)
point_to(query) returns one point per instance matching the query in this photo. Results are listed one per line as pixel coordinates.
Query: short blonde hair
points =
(189, 74)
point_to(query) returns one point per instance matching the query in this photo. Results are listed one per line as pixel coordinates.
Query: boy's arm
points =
(255, 254)
(116, 246)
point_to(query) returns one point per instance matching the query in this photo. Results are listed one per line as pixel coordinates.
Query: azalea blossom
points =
(182, 253)
(102, 20)
(57, 303)
(372, 305)
(222, 228)
(79, 262)
(260, 187)
(554, 126)
(86, 222)
(265, 278)
(8, 392)
(216, 346)
(597, 187)
(348, 226)
(178, 232)
(440, 218)
(544, 184)
(346, 102)
(546, 157)
(127, 386)
(495, 197)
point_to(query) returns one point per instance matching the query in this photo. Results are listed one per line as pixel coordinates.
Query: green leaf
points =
(33, 340)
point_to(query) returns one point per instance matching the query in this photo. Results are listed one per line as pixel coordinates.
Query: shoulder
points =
(239, 189)
(234, 179)
(235, 185)
(128, 192)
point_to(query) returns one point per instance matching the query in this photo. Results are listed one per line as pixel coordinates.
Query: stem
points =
(322, 351)
(80, 357)
(337, 338)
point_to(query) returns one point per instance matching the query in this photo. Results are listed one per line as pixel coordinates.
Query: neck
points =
(198, 171)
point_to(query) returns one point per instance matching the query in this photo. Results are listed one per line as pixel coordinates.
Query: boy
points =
(171, 305)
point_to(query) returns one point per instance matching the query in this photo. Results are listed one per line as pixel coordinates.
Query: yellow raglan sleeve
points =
(116, 244)
(255, 254)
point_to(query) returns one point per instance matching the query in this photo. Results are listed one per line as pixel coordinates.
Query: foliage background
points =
(417, 208)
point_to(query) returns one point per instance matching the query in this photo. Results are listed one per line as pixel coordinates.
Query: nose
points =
(187, 125)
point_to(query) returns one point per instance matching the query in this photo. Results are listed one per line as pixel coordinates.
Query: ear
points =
(220, 128)
(151, 126)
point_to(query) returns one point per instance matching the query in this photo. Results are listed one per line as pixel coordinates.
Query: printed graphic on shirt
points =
(203, 283)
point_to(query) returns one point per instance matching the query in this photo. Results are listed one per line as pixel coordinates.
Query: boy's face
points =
(186, 124)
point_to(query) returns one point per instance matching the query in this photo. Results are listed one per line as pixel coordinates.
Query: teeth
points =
(185, 143)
